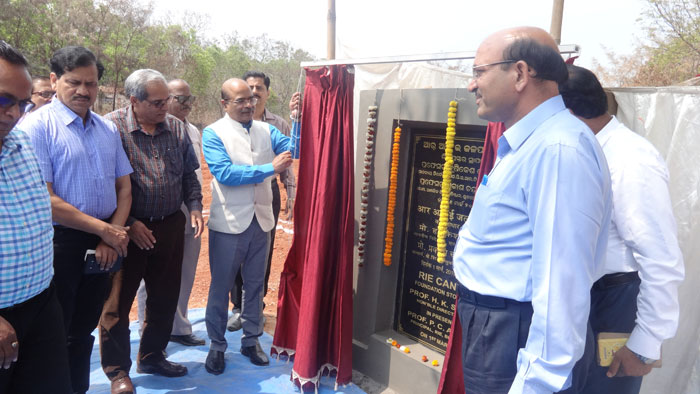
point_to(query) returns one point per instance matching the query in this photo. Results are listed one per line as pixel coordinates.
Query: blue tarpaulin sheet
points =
(240, 375)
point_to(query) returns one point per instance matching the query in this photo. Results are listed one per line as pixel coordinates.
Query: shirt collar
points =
(246, 126)
(11, 142)
(266, 115)
(517, 134)
(66, 115)
(132, 123)
(606, 132)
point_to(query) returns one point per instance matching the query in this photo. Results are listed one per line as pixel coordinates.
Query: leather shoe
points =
(215, 363)
(187, 340)
(234, 322)
(255, 354)
(123, 385)
(162, 367)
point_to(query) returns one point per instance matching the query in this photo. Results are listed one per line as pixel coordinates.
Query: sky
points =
(374, 28)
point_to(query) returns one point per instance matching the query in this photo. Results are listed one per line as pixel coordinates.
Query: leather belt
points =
(615, 279)
(487, 301)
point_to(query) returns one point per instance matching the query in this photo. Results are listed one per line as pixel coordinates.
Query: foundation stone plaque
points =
(427, 289)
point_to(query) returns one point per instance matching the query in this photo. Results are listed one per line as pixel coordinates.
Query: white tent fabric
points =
(670, 118)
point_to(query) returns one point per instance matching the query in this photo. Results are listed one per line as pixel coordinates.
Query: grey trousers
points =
(190, 256)
(227, 254)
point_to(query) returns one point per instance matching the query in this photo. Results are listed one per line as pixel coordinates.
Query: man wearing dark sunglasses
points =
(42, 92)
(164, 178)
(33, 355)
(87, 174)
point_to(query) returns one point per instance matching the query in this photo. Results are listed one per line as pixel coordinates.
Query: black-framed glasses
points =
(242, 101)
(9, 102)
(478, 71)
(158, 103)
(185, 100)
(47, 94)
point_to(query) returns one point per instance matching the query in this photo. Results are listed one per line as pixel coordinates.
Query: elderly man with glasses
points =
(180, 105)
(164, 178)
(535, 238)
(42, 92)
(243, 156)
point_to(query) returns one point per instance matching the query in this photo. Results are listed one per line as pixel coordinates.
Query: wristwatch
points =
(645, 360)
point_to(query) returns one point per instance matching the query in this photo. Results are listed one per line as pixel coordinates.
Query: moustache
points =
(80, 97)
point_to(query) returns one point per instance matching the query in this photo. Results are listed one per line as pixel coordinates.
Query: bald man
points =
(535, 239)
(243, 155)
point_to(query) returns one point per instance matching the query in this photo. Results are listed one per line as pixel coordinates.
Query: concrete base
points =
(402, 372)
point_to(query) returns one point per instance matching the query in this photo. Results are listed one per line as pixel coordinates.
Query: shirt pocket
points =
(174, 162)
(483, 212)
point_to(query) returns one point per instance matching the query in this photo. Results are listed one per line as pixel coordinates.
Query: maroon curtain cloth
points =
(314, 314)
(452, 379)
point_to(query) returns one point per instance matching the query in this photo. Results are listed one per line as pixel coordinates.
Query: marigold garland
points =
(446, 182)
(366, 172)
(391, 205)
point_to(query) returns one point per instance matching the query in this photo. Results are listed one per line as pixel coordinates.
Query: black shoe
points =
(162, 367)
(215, 363)
(187, 340)
(234, 322)
(255, 354)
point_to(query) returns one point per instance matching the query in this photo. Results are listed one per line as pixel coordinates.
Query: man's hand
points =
(626, 363)
(282, 161)
(9, 347)
(142, 235)
(294, 105)
(116, 236)
(197, 223)
(105, 255)
(290, 208)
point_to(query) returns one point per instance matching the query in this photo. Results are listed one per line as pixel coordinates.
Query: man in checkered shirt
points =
(33, 353)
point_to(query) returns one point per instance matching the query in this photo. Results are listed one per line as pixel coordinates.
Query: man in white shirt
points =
(535, 238)
(638, 293)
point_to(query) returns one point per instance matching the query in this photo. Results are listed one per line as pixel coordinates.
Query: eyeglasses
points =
(47, 94)
(242, 101)
(158, 103)
(9, 102)
(185, 100)
(478, 71)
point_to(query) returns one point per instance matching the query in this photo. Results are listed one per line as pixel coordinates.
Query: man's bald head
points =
(534, 46)
(238, 100)
(181, 99)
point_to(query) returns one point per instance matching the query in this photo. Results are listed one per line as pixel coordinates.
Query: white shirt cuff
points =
(520, 386)
(644, 344)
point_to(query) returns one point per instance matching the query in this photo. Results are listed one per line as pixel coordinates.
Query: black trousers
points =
(42, 363)
(613, 309)
(161, 270)
(81, 297)
(237, 291)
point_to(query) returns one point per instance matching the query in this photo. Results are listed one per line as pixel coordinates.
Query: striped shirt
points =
(26, 233)
(81, 160)
(164, 166)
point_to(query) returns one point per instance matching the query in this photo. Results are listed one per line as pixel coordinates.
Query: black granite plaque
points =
(428, 289)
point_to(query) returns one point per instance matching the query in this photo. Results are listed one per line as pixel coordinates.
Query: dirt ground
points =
(283, 241)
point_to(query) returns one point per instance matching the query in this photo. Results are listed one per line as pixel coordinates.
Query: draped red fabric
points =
(314, 313)
(452, 378)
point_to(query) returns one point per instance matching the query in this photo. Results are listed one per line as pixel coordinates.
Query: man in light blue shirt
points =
(87, 175)
(535, 239)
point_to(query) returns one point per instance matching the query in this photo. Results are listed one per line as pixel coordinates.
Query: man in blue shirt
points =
(535, 239)
(32, 341)
(243, 156)
(87, 174)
